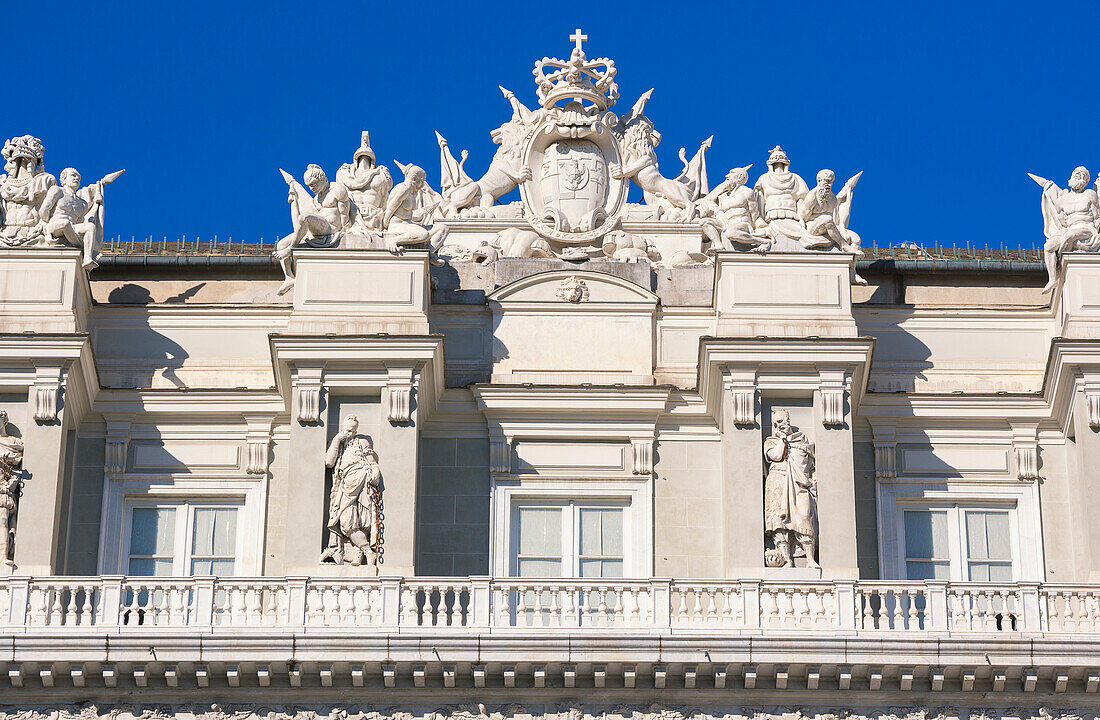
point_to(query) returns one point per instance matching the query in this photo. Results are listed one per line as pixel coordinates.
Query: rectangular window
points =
(959, 543)
(568, 539)
(177, 538)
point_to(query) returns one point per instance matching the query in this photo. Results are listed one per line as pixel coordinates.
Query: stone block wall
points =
(453, 507)
(83, 507)
(687, 509)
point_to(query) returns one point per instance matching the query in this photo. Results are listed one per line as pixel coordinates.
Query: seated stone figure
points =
(318, 221)
(1071, 219)
(75, 215)
(411, 211)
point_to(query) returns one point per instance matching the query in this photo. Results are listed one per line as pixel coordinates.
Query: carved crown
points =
(578, 78)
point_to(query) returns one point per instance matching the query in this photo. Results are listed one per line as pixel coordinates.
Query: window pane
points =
(926, 534)
(150, 567)
(152, 531)
(987, 535)
(927, 570)
(601, 531)
(215, 532)
(539, 568)
(212, 567)
(602, 568)
(540, 531)
(1000, 572)
(990, 572)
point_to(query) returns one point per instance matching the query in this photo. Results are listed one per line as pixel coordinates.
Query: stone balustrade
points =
(503, 604)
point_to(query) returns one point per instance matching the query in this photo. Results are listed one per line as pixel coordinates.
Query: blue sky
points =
(945, 105)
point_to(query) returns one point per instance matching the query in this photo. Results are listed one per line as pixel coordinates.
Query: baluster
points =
(584, 612)
(1069, 623)
(569, 607)
(71, 617)
(602, 617)
(521, 606)
(882, 621)
(409, 614)
(504, 597)
(914, 619)
(866, 600)
(896, 595)
(989, 619)
(176, 611)
(631, 600)
(255, 605)
(681, 613)
(271, 605)
(56, 606)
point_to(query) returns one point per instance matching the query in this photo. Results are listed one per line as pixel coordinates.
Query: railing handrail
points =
(657, 604)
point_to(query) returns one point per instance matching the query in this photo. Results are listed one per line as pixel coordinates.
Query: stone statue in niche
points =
(1071, 219)
(355, 502)
(790, 496)
(11, 461)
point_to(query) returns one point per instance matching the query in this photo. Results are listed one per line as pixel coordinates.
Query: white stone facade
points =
(552, 500)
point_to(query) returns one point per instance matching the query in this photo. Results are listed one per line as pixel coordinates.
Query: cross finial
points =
(578, 37)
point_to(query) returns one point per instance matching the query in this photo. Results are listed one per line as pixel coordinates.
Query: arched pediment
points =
(573, 286)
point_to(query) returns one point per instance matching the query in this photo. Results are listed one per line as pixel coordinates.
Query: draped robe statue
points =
(355, 503)
(790, 495)
(11, 459)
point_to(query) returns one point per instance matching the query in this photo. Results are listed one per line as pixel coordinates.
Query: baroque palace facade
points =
(565, 457)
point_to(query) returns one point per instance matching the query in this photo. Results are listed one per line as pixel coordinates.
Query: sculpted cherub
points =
(75, 215)
(1071, 219)
(318, 220)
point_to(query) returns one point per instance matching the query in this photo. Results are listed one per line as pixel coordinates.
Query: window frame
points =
(570, 530)
(183, 550)
(1025, 529)
(634, 494)
(119, 495)
(958, 559)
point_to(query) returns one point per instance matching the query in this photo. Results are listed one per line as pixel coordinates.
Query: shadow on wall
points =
(900, 357)
(159, 353)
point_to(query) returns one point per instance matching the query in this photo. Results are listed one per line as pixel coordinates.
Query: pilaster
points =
(743, 470)
(305, 501)
(835, 474)
(1085, 486)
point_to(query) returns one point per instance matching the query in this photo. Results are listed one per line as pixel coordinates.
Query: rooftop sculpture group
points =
(35, 211)
(573, 161)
